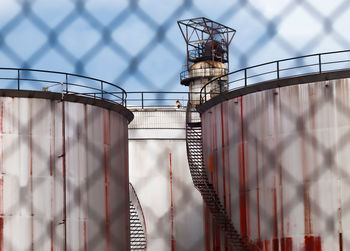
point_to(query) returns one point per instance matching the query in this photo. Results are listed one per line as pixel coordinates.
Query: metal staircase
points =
(201, 182)
(138, 240)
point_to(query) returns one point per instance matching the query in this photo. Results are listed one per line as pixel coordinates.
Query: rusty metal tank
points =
(279, 161)
(64, 172)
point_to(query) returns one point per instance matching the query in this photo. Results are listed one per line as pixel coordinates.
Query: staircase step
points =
(207, 190)
(194, 124)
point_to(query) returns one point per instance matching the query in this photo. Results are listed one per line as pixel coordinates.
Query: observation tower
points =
(207, 45)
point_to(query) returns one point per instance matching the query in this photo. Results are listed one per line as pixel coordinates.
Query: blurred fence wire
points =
(137, 45)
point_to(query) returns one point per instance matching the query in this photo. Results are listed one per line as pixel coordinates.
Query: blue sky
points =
(136, 58)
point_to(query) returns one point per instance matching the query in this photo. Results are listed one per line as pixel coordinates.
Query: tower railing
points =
(186, 73)
(281, 69)
(200, 54)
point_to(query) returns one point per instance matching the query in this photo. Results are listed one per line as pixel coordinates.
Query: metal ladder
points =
(201, 182)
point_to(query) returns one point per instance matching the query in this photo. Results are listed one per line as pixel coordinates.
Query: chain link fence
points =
(137, 45)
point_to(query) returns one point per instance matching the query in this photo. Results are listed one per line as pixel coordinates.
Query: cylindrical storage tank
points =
(159, 171)
(201, 73)
(279, 161)
(64, 172)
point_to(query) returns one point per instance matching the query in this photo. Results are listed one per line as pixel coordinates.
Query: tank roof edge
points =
(267, 85)
(69, 97)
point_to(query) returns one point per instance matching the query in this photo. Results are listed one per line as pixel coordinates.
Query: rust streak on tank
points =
(287, 244)
(242, 179)
(2, 117)
(267, 245)
(313, 243)
(85, 235)
(275, 217)
(1, 233)
(257, 189)
(223, 154)
(217, 238)
(275, 245)
(2, 213)
(214, 236)
(228, 163)
(172, 238)
(281, 200)
(216, 171)
(106, 148)
(2, 194)
(207, 227)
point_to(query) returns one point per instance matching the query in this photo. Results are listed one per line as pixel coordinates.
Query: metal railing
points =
(164, 99)
(61, 82)
(67, 83)
(280, 69)
(203, 50)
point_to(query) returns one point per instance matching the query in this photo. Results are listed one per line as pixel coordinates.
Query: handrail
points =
(161, 99)
(277, 70)
(96, 88)
(69, 83)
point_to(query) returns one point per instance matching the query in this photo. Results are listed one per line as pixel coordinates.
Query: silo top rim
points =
(52, 83)
(66, 83)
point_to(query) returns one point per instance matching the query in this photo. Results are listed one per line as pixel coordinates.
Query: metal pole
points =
(102, 89)
(245, 77)
(18, 77)
(62, 90)
(278, 69)
(142, 100)
(319, 63)
(66, 83)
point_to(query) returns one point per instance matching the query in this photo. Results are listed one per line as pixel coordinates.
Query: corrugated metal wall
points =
(64, 176)
(279, 159)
